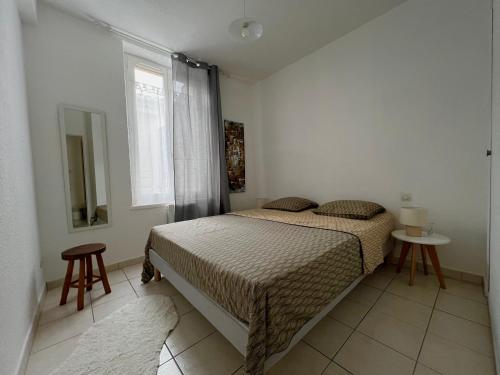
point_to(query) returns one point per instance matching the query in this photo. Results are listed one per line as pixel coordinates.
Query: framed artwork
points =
(235, 155)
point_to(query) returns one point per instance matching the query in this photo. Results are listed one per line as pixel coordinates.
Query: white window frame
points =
(160, 65)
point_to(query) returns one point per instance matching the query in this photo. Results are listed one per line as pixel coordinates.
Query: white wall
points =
(75, 62)
(237, 99)
(494, 259)
(399, 105)
(20, 274)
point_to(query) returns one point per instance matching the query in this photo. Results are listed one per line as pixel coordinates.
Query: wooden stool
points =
(84, 253)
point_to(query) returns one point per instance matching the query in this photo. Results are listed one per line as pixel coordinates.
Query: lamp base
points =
(413, 231)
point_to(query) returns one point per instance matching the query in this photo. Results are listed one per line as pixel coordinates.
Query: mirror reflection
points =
(86, 171)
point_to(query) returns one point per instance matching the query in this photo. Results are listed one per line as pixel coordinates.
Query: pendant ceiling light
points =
(245, 29)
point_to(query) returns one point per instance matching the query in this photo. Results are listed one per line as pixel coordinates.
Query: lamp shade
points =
(413, 216)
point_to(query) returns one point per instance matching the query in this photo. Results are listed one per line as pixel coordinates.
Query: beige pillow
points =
(360, 210)
(293, 204)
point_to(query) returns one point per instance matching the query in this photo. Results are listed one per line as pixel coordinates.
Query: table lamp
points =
(414, 218)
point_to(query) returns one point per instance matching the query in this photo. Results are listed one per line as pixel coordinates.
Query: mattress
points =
(271, 273)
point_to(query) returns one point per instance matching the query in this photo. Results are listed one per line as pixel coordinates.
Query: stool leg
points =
(67, 282)
(435, 263)
(413, 263)
(81, 284)
(402, 256)
(102, 271)
(88, 260)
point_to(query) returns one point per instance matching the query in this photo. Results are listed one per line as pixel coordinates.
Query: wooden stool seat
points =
(85, 280)
(78, 252)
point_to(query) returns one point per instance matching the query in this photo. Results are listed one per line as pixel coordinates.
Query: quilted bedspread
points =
(273, 270)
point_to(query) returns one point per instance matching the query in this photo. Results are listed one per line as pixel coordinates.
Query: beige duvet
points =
(274, 270)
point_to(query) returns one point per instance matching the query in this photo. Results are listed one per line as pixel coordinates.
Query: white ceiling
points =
(292, 28)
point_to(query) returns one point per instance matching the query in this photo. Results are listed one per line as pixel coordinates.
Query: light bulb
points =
(245, 31)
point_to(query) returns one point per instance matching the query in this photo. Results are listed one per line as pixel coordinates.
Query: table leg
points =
(402, 257)
(424, 259)
(431, 249)
(413, 269)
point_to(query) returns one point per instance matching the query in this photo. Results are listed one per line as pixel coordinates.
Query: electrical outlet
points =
(406, 197)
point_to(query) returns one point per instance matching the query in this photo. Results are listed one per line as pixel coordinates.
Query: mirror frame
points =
(62, 131)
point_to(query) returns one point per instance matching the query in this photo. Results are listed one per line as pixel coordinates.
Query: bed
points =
(264, 278)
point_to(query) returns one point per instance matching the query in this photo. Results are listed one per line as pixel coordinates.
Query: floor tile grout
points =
(461, 317)
(50, 346)
(434, 308)
(92, 307)
(326, 366)
(408, 299)
(446, 339)
(197, 342)
(355, 328)
(387, 346)
(316, 349)
(364, 316)
(436, 371)
(353, 300)
(56, 319)
(173, 357)
(463, 346)
(238, 369)
(467, 298)
(426, 331)
(135, 291)
(401, 320)
(337, 364)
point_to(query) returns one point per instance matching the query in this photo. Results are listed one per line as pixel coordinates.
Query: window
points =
(149, 112)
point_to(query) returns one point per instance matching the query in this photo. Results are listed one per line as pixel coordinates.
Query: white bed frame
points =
(231, 328)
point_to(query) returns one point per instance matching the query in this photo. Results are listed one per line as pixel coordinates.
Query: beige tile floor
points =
(382, 327)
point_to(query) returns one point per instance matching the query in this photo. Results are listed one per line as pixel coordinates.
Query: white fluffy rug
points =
(128, 341)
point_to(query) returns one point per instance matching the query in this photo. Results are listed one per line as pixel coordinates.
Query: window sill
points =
(149, 206)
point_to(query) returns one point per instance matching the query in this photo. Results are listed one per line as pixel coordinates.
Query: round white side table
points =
(427, 244)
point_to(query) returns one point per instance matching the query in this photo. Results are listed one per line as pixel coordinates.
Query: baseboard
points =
(447, 272)
(28, 342)
(26, 350)
(130, 262)
(109, 268)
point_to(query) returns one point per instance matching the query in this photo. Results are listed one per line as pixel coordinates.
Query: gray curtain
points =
(200, 176)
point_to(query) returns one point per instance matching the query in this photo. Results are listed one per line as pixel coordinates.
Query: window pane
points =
(148, 77)
(150, 139)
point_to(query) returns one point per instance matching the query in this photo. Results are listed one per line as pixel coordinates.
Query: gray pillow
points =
(293, 204)
(350, 209)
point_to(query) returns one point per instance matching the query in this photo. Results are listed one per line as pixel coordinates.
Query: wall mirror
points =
(85, 167)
